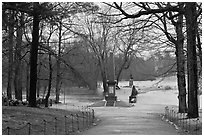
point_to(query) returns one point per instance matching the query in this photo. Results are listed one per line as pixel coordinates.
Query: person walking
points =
(134, 91)
(133, 96)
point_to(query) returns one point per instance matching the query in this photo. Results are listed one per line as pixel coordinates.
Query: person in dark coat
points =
(134, 91)
(133, 96)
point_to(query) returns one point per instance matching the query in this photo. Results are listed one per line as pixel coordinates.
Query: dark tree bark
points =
(58, 64)
(49, 82)
(27, 81)
(11, 42)
(38, 80)
(18, 66)
(190, 14)
(125, 65)
(118, 74)
(104, 80)
(34, 55)
(180, 58)
(199, 44)
(103, 74)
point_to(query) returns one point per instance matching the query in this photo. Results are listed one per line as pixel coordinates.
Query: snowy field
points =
(160, 91)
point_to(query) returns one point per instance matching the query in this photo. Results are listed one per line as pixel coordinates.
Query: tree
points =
(178, 41)
(84, 61)
(8, 22)
(190, 14)
(18, 62)
(96, 32)
(48, 50)
(49, 82)
(34, 55)
(66, 10)
(37, 12)
(125, 40)
(11, 45)
(191, 21)
(181, 77)
(27, 80)
(58, 61)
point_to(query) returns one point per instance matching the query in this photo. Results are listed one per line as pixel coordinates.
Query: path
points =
(141, 119)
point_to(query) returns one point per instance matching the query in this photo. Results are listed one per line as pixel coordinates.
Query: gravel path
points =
(141, 119)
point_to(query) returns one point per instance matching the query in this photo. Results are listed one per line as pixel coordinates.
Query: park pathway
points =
(141, 119)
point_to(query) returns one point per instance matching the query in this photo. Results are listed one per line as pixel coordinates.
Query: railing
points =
(182, 122)
(69, 124)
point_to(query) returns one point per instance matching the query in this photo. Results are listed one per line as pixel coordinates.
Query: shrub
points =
(167, 88)
(41, 101)
(4, 100)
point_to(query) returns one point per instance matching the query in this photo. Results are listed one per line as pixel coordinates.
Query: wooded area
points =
(49, 45)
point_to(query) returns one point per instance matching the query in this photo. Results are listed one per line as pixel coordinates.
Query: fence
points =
(69, 124)
(182, 122)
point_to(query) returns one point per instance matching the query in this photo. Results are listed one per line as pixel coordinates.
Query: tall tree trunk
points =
(199, 51)
(190, 14)
(38, 88)
(27, 81)
(34, 55)
(126, 61)
(181, 66)
(58, 64)
(119, 73)
(199, 47)
(121, 68)
(11, 42)
(103, 75)
(49, 82)
(38, 80)
(104, 80)
(18, 66)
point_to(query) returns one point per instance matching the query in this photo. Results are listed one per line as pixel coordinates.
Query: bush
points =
(14, 102)
(41, 101)
(167, 88)
(4, 100)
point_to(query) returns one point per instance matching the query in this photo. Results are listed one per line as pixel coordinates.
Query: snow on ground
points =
(151, 92)
(142, 118)
(159, 82)
(148, 94)
(155, 92)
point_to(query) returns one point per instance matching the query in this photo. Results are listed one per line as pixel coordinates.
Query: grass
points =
(18, 117)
